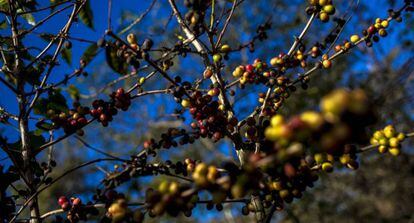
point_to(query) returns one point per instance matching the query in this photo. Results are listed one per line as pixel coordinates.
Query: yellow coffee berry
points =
(354, 38)
(217, 58)
(327, 167)
(277, 120)
(382, 149)
(389, 131)
(225, 48)
(330, 9)
(385, 23)
(382, 32)
(344, 159)
(394, 151)
(185, 103)
(394, 142)
(401, 136)
(378, 135)
(277, 185)
(323, 16)
(142, 80)
(238, 72)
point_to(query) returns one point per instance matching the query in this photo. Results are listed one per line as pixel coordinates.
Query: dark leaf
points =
(73, 92)
(67, 55)
(55, 101)
(86, 15)
(116, 63)
(90, 53)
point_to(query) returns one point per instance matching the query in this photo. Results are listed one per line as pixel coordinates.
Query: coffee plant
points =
(279, 157)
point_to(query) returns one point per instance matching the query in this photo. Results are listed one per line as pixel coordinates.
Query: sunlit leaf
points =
(86, 15)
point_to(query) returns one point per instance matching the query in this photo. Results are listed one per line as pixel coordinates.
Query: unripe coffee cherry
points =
(323, 2)
(225, 48)
(324, 17)
(354, 39)
(330, 9)
(217, 58)
(394, 151)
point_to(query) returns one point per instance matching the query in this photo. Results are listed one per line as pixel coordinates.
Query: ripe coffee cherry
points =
(77, 201)
(62, 200)
(327, 64)
(207, 73)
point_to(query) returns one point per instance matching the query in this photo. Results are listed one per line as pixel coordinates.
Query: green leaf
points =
(90, 53)
(55, 101)
(67, 55)
(3, 4)
(3, 24)
(86, 15)
(116, 63)
(29, 18)
(73, 91)
(43, 126)
(35, 142)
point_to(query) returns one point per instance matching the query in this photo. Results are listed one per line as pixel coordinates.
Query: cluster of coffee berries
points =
(288, 181)
(210, 119)
(343, 115)
(223, 52)
(323, 8)
(283, 61)
(196, 14)
(71, 121)
(388, 140)
(171, 198)
(346, 45)
(118, 210)
(204, 175)
(252, 73)
(172, 138)
(104, 111)
(121, 99)
(76, 210)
